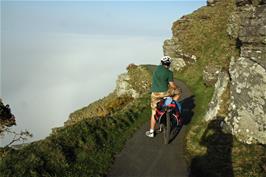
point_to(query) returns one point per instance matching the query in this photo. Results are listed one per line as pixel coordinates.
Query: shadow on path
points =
(217, 161)
(188, 105)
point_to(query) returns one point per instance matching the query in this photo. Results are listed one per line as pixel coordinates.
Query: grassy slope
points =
(204, 35)
(87, 144)
(86, 148)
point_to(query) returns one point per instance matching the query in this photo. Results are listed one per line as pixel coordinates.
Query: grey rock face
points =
(252, 27)
(233, 25)
(211, 2)
(173, 49)
(243, 2)
(247, 110)
(123, 87)
(210, 74)
(131, 84)
(255, 53)
(247, 2)
(217, 100)
(252, 35)
(178, 64)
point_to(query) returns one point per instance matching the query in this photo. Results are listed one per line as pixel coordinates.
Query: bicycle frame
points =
(164, 116)
(160, 116)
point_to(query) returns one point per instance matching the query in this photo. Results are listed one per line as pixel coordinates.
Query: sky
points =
(59, 56)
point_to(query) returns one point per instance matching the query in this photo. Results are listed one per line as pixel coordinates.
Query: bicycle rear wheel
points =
(167, 129)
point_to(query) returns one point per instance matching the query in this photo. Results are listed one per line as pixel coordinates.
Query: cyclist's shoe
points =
(149, 134)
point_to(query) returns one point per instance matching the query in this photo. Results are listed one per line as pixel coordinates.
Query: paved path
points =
(150, 157)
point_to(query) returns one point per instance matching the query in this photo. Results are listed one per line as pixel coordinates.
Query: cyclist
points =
(162, 86)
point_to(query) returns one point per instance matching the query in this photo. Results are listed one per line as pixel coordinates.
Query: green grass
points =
(86, 148)
(100, 108)
(204, 35)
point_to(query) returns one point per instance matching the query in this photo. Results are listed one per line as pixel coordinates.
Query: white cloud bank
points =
(48, 76)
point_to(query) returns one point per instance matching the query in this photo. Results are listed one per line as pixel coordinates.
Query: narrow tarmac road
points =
(150, 157)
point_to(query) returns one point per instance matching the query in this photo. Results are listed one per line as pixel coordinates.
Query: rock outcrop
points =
(247, 110)
(211, 2)
(219, 103)
(130, 85)
(210, 74)
(246, 113)
(172, 47)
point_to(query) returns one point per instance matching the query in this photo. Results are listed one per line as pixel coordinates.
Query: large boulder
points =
(131, 84)
(181, 59)
(243, 2)
(123, 87)
(172, 48)
(252, 34)
(178, 64)
(219, 102)
(210, 74)
(248, 2)
(247, 109)
(233, 25)
(211, 2)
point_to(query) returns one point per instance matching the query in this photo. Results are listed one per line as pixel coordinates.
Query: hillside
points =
(219, 52)
(85, 146)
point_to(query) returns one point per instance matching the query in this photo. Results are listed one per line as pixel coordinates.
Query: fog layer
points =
(46, 79)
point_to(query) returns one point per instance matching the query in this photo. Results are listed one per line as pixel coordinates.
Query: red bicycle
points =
(168, 117)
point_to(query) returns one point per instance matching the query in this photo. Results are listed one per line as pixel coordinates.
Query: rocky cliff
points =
(247, 110)
(245, 77)
(224, 43)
